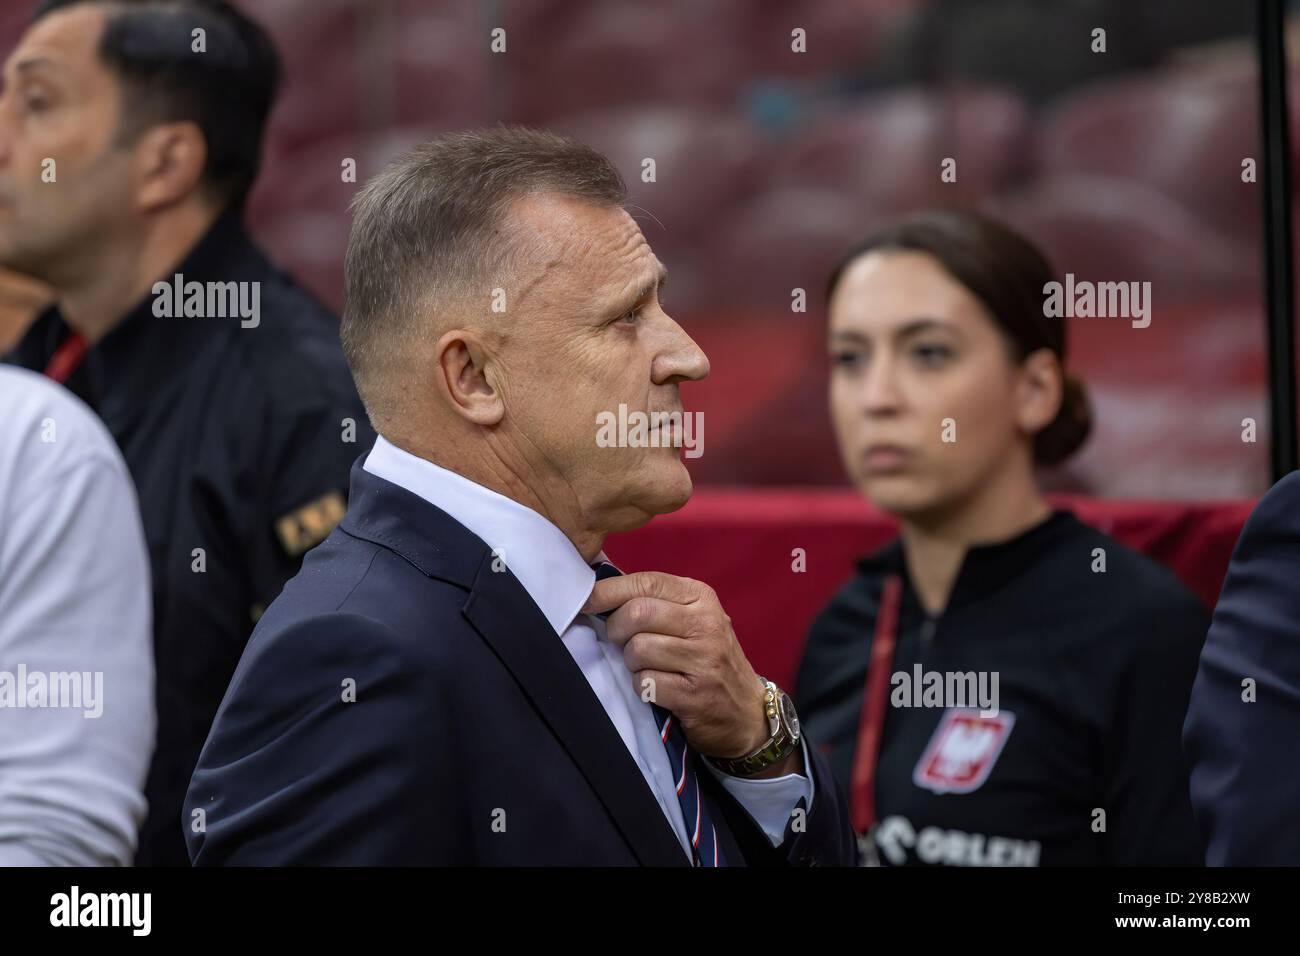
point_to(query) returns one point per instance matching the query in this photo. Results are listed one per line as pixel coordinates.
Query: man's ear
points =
(169, 161)
(1039, 390)
(465, 377)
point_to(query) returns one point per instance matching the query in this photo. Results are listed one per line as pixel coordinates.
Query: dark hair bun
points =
(1069, 430)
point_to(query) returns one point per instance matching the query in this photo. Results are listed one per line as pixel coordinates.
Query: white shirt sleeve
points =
(75, 632)
(771, 801)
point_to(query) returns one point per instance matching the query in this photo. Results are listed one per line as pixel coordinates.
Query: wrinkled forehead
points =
(62, 46)
(580, 256)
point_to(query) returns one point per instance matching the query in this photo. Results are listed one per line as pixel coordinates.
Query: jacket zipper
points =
(928, 626)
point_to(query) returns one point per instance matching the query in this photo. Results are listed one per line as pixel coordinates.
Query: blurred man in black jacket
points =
(130, 135)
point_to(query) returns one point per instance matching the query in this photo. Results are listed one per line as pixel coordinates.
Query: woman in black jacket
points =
(1001, 685)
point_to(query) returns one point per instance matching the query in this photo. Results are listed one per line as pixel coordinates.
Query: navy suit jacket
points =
(1245, 756)
(473, 738)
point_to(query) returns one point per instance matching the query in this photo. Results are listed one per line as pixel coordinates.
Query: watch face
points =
(788, 715)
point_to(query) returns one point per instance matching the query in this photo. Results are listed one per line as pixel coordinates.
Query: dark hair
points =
(426, 230)
(227, 90)
(1007, 273)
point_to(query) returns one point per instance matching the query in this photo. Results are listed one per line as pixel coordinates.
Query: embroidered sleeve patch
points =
(308, 526)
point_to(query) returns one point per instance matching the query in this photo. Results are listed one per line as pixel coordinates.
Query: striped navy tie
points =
(703, 837)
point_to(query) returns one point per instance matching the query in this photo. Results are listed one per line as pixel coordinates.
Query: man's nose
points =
(680, 360)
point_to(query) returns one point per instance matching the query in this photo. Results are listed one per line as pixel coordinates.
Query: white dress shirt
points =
(559, 581)
(74, 613)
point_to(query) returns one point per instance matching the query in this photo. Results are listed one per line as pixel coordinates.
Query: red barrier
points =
(743, 543)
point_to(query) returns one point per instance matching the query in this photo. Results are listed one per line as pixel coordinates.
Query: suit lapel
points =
(502, 612)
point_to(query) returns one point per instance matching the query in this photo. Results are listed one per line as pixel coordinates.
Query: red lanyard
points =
(66, 358)
(871, 723)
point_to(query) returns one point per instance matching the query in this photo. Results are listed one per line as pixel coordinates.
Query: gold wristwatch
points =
(783, 723)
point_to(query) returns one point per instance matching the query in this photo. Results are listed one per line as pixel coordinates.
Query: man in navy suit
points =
(1242, 733)
(457, 676)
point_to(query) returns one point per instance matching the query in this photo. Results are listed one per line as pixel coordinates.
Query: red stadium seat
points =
(704, 163)
(1107, 228)
(885, 151)
(781, 240)
(314, 103)
(841, 36)
(1181, 133)
(613, 56)
(439, 64)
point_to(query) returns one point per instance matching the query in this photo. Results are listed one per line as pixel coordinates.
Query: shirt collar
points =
(538, 553)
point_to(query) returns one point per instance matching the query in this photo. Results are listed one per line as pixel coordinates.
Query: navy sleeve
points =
(295, 773)
(826, 837)
(1245, 781)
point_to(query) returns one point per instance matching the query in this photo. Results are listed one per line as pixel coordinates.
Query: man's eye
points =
(632, 315)
(35, 102)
